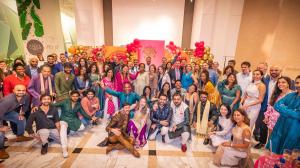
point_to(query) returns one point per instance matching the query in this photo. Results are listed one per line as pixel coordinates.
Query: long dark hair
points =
(85, 76)
(228, 67)
(85, 63)
(276, 93)
(113, 76)
(234, 83)
(144, 92)
(91, 66)
(207, 78)
(243, 113)
(228, 109)
(169, 91)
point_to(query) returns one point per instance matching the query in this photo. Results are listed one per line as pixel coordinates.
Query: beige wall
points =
(146, 19)
(270, 31)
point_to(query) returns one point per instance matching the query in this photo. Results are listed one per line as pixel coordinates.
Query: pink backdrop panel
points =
(153, 49)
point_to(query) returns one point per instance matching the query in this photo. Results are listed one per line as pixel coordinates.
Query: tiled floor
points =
(83, 152)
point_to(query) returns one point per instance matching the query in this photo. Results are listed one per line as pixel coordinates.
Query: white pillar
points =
(89, 22)
(217, 23)
(52, 39)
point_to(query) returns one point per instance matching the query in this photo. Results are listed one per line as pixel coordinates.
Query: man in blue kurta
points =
(286, 133)
(127, 96)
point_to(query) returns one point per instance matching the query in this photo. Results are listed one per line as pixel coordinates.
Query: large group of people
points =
(141, 101)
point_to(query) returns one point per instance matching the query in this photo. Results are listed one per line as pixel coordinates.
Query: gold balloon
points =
(205, 57)
(211, 56)
(207, 49)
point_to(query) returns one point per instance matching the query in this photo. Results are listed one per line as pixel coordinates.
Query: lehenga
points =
(228, 156)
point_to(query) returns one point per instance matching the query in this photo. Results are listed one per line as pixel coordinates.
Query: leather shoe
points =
(259, 145)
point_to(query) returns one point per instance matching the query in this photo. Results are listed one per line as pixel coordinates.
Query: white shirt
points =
(271, 87)
(178, 113)
(244, 80)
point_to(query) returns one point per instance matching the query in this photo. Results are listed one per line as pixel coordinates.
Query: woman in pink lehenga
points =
(111, 102)
(281, 89)
(122, 77)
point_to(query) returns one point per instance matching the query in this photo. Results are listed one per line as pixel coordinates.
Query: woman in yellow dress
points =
(206, 85)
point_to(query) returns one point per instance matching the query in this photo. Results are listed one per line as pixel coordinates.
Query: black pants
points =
(261, 129)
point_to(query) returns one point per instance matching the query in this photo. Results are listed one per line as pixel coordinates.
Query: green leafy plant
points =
(28, 8)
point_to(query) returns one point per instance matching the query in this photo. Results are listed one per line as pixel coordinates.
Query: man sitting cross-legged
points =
(118, 138)
(47, 123)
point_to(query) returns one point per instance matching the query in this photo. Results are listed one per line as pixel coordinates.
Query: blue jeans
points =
(1, 140)
(14, 117)
(86, 121)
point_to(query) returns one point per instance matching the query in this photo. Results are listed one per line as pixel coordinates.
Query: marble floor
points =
(83, 152)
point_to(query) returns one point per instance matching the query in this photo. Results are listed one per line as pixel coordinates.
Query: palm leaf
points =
(38, 25)
(23, 19)
(25, 31)
(37, 3)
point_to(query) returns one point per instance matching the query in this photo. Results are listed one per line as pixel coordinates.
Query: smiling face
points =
(257, 76)
(20, 90)
(83, 71)
(238, 117)
(162, 100)
(177, 100)
(46, 71)
(143, 103)
(90, 95)
(223, 111)
(275, 72)
(34, 62)
(46, 100)
(20, 71)
(74, 97)
(282, 84)
(127, 88)
(231, 78)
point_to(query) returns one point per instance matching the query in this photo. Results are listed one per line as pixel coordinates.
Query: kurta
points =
(130, 98)
(285, 134)
(141, 81)
(69, 114)
(63, 85)
(34, 88)
(228, 95)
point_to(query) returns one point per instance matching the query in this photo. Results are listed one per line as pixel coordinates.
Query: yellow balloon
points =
(207, 49)
(205, 57)
(211, 56)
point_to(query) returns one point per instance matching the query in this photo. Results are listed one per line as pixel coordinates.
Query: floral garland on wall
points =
(199, 55)
(28, 8)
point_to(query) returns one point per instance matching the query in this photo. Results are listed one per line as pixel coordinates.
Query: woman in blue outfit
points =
(286, 133)
(187, 79)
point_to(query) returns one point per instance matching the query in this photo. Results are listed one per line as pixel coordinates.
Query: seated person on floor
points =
(179, 125)
(205, 117)
(230, 153)
(91, 106)
(46, 121)
(222, 130)
(13, 107)
(160, 117)
(69, 119)
(137, 127)
(118, 137)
